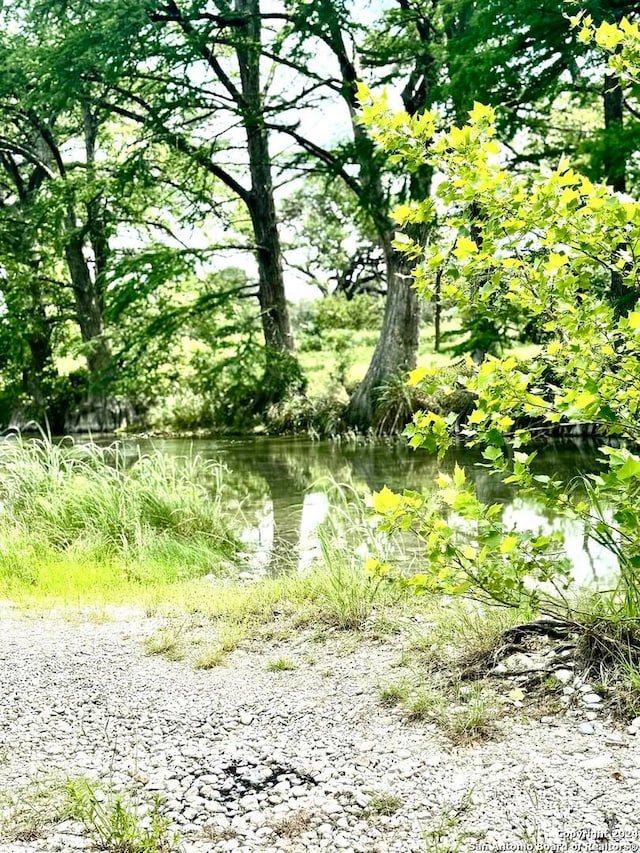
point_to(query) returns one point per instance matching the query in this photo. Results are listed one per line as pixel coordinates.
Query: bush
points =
(337, 312)
(535, 245)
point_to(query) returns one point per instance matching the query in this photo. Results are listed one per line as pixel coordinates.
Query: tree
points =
(330, 24)
(136, 54)
(540, 245)
(525, 59)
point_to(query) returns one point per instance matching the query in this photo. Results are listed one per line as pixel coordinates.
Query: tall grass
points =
(79, 517)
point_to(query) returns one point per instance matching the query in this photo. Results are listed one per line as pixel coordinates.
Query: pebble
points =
(246, 762)
(564, 676)
(599, 762)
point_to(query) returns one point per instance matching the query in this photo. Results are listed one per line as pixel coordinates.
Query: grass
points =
(446, 836)
(384, 803)
(28, 813)
(212, 655)
(293, 824)
(281, 665)
(462, 635)
(320, 367)
(432, 689)
(391, 695)
(166, 641)
(119, 823)
(84, 524)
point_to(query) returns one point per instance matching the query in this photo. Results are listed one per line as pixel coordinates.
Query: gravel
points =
(302, 760)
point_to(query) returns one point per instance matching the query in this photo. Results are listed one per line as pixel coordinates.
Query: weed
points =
(445, 837)
(115, 823)
(463, 634)
(425, 705)
(280, 665)
(211, 656)
(345, 593)
(215, 833)
(393, 694)
(230, 635)
(26, 814)
(293, 824)
(166, 642)
(470, 721)
(384, 803)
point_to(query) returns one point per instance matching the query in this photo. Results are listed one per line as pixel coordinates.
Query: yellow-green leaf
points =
(385, 501)
(508, 544)
(555, 262)
(459, 477)
(481, 111)
(464, 248)
(416, 376)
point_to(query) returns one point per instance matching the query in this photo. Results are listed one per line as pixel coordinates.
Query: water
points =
(281, 485)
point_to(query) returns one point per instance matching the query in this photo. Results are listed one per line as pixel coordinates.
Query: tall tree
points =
(526, 59)
(192, 79)
(332, 25)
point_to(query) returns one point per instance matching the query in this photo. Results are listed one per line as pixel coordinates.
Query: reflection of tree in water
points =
(282, 471)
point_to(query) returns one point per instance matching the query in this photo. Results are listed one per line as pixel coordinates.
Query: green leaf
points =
(508, 544)
(459, 476)
(631, 468)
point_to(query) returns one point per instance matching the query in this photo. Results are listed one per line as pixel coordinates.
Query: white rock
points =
(599, 762)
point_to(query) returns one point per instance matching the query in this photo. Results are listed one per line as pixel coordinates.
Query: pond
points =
(282, 486)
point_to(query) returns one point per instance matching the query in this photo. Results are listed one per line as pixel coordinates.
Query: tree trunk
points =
(614, 160)
(87, 299)
(622, 298)
(39, 363)
(397, 348)
(281, 366)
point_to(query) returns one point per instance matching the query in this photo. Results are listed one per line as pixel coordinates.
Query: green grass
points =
(83, 524)
(115, 820)
(210, 656)
(321, 366)
(384, 803)
(281, 665)
(391, 695)
(167, 642)
(28, 814)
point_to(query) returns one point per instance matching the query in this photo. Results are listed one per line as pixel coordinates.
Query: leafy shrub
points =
(532, 244)
(337, 312)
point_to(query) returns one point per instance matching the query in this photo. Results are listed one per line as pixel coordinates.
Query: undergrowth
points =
(80, 520)
(118, 823)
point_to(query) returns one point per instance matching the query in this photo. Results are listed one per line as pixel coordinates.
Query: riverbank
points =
(290, 745)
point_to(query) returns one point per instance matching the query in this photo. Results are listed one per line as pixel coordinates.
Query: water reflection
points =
(277, 481)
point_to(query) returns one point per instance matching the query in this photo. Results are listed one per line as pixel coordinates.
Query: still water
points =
(281, 487)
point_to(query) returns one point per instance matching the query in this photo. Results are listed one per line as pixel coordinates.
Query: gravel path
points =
(302, 760)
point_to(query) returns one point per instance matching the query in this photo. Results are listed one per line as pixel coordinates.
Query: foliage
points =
(550, 87)
(548, 247)
(317, 416)
(134, 521)
(337, 312)
(115, 823)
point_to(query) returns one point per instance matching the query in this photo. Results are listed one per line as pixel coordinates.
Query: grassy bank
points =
(87, 524)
